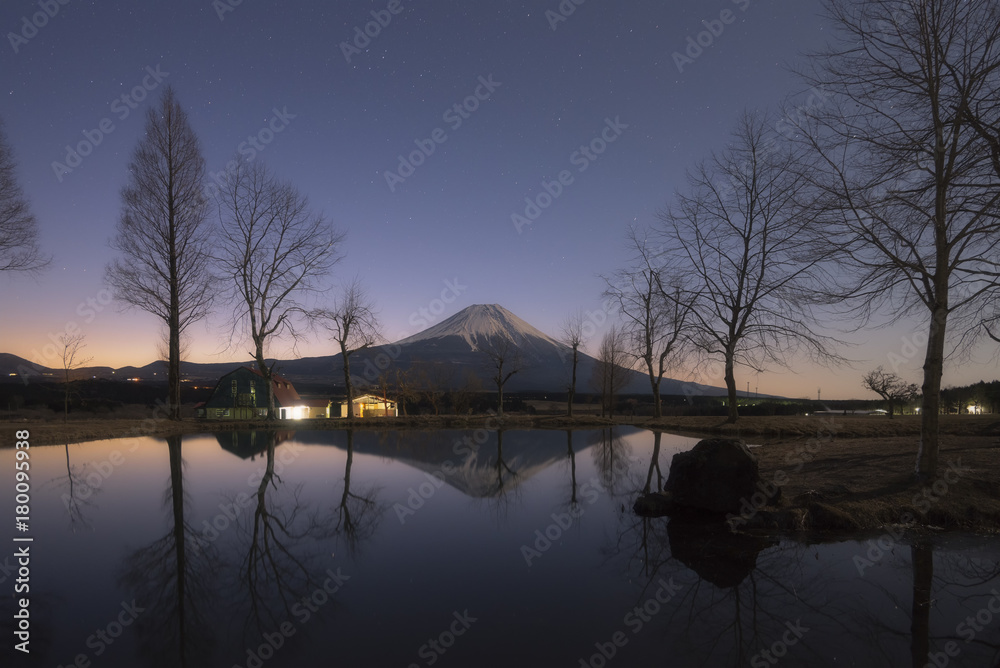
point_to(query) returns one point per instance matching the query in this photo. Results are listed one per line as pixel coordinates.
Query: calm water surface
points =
(453, 548)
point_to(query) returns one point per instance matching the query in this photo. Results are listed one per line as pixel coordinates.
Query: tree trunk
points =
(66, 399)
(347, 381)
(174, 316)
(927, 456)
(266, 372)
(499, 400)
(572, 386)
(657, 404)
(734, 413)
(174, 367)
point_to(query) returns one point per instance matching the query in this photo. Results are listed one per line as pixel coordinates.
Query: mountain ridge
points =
(437, 354)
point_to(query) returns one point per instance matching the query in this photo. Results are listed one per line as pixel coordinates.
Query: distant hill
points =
(450, 350)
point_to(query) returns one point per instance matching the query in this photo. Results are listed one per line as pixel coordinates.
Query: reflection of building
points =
(242, 395)
(249, 444)
(368, 405)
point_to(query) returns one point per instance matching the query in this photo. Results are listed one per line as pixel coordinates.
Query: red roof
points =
(284, 392)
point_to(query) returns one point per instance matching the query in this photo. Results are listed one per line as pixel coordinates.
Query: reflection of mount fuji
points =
(489, 468)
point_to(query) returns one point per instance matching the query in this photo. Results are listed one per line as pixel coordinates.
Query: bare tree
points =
(610, 372)
(72, 343)
(890, 387)
(274, 251)
(354, 325)
(572, 336)
(742, 236)
(504, 360)
(432, 380)
(18, 228)
(469, 387)
(910, 175)
(654, 311)
(404, 387)
(162, 233)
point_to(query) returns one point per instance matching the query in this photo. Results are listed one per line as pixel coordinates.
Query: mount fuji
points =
(450, 351)
(457, 344)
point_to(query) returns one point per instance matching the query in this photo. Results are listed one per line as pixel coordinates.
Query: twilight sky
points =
(275, 82)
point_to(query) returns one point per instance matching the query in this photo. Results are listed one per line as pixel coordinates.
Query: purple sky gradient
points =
(446, 230)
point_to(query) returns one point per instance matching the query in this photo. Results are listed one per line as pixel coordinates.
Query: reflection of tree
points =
(506, 490)
(612, 458)
(573, 503)
(920, 624)
(956, 586)
(359, 512)
(273, 574)
(735, 590)
(171, 579)
(654, 465)
(79, 494)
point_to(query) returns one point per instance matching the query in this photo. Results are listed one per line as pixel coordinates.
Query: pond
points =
(452, 548)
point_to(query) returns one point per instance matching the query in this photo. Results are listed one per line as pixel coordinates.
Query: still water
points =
(452, 548)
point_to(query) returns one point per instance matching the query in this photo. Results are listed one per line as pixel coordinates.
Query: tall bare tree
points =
(354, 325)
(72, 344)
(742, 236)
(890, 387)
(655, 312)
(572, 337)
(19, 249)
(907, 142)
(163, 234)
(611, 372)
(274, 252)
(503, 357)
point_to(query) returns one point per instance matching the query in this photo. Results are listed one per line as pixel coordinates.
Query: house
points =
(368, 405)
(242, 395)
(317, 408)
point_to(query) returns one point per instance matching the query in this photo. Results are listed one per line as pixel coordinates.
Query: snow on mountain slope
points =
(483, 321)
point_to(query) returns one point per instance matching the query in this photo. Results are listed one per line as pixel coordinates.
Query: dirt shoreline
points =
(842, 473)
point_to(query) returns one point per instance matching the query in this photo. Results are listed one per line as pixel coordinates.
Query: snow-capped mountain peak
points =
(480, 322)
